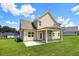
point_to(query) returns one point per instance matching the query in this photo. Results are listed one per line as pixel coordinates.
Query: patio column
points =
(46, 39)
(61, 35)
(37, 35)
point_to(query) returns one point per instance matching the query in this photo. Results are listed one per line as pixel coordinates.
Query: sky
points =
(65, 13)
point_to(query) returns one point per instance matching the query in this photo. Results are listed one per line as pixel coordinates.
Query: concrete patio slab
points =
(32, 43)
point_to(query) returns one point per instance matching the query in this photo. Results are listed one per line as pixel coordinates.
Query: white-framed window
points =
(30, 34)
(39, 23)
(53, 34)
(49, 33)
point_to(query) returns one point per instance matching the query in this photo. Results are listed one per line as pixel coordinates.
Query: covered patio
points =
(46, 35)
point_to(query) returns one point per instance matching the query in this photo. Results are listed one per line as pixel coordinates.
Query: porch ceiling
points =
(49, 28)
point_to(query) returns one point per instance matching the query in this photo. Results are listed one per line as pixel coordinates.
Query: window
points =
(30, 34)
(49, 33)
(53, 34)
(39, 23)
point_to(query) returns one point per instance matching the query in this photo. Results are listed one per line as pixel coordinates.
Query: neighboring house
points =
(10, 35)
(44, 28)
(1, 35)
(70, 30)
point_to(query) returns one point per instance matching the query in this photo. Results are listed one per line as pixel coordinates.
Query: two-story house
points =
(43, 28)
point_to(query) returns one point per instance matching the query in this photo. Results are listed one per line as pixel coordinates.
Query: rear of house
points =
(44, 28)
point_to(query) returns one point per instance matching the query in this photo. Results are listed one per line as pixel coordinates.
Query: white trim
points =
(42, 35)
(61, 35)
(46, 36)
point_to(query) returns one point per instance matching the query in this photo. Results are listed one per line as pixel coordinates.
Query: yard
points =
(68, 47)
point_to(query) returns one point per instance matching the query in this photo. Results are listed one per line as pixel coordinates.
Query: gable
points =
(47, 21)
(49, 13)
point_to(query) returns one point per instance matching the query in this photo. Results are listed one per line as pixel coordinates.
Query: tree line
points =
(7, 29)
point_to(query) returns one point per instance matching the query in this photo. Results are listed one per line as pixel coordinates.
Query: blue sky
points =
(65, 13)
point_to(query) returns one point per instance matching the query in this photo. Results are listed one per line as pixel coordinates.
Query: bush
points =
(18, 40)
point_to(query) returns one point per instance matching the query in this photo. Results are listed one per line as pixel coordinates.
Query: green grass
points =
(68, 47)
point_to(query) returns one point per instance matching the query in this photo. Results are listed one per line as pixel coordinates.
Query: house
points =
(10, 35)
(70, 30)
(43, 28)
(1, 35)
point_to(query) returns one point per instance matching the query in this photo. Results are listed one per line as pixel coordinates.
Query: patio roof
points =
(51, 28)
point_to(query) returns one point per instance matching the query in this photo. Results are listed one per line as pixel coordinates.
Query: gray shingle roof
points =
(70, 29)
(25, 24)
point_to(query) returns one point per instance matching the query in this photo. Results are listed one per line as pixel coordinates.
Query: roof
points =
(25, 24)
(48, 12)
(70, 29)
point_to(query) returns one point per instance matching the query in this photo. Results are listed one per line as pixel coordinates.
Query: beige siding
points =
(46, 21)
(56, 35)
(26, 38)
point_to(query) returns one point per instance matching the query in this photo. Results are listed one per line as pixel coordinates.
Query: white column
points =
(61, 35)
(46, 36)
(37, 35)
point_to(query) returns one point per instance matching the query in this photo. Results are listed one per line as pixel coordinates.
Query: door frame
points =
(39, 35)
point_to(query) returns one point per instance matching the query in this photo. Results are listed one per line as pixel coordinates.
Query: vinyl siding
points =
(46, 21)
(26, 38)
(70, 33)
(56, 35)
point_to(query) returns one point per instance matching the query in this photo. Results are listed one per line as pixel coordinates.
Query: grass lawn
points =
(68, 47)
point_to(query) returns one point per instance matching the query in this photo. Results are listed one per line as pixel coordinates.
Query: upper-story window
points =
(39, 23)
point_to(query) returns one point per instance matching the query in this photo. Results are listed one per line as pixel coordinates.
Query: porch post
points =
(37, 35)
(61, 35)
(46, 37)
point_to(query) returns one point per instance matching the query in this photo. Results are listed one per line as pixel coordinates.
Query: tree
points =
(7, 29)
(0, 26)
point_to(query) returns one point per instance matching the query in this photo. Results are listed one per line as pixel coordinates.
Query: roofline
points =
(48, 12)
(28, 29)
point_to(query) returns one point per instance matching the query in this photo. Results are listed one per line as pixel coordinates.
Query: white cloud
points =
(65, 22)
(70, 24)
(25, 9)
(60, 19)
(10, 7)
(76, 9)
(32, 16)
(11, 22)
